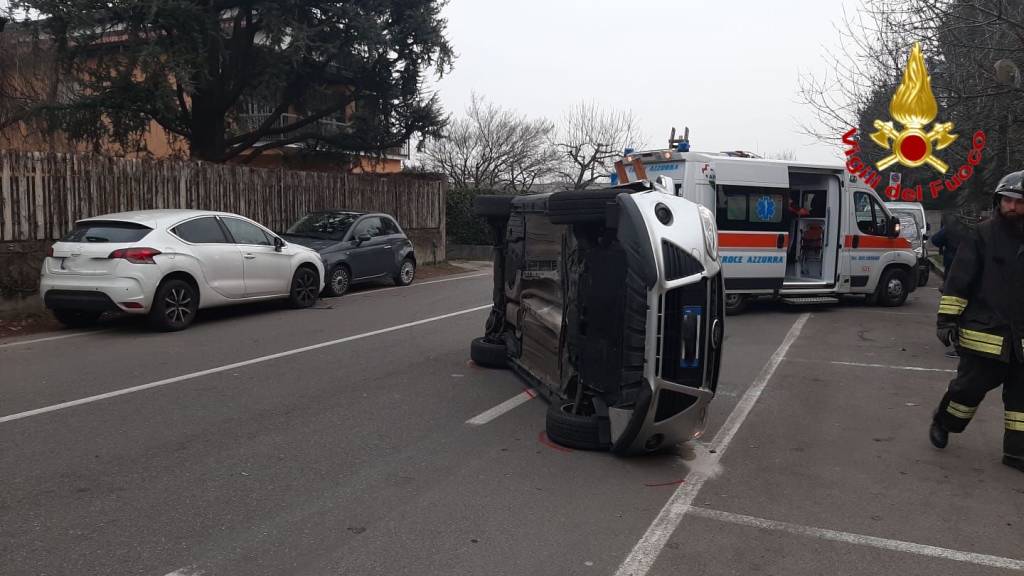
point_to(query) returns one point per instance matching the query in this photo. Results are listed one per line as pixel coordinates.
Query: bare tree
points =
(493, 148)
(972, 48)
(590, 139)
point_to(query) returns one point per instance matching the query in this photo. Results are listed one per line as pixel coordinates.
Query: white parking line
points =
(488, 415)
(646, 551)
(368, 292)
(859, 539)
(864, 365)
(51, 338)
(186, 572)
(201, 373)
(379, 290)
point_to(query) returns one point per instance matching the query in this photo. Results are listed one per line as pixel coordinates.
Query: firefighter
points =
(981, 312)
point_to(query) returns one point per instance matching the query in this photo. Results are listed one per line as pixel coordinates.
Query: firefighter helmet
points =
(1012, 185)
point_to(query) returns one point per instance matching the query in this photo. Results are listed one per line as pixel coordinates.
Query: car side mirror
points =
(894, 228)
(364, 238)
(278, 244)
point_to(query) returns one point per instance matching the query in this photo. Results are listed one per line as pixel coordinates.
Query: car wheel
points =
(735, 304)
(338, 281)
(76, 318)
(578, 431)
(488, 354)
(892, 288)
(581, 206)
(492, 206)
(406, 273)
(923, 276)
(305, 288)
(174, 306)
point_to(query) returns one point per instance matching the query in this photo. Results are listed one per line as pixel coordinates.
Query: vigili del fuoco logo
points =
(914, 107)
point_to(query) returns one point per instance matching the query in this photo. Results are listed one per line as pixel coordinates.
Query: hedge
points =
(462, 226)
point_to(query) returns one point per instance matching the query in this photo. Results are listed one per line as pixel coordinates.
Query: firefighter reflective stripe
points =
(952, 305)
(961, 411)
(1015, 421)
(980, 341)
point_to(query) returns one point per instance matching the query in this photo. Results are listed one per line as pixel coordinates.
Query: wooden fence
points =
(43, 194)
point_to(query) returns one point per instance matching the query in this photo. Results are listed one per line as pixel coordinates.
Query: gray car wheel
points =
(338, 281)
(406, 273)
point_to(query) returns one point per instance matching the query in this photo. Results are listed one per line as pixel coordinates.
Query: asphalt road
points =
(335, 441)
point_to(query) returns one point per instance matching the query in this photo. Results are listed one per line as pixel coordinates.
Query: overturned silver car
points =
(609, 303)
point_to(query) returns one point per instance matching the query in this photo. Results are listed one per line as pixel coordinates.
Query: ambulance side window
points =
(750, 208)
(870, 216)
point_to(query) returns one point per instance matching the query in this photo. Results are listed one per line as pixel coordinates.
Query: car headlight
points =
(707, 220)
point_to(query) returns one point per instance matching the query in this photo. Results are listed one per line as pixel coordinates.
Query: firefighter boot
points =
(938, 435)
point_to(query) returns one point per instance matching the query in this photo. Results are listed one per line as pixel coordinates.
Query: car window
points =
(870, 216)
(369, 226)
(103, 231)
(201, 231)
(246, 233)
(388, 226)
(324, 225)
(750, 208)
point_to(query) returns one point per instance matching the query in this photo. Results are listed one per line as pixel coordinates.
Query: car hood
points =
(313, 243)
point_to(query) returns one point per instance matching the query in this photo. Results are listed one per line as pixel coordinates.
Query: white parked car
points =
(169, 264)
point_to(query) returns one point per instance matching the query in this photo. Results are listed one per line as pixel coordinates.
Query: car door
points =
(369, 257)
(867, 241)
(394, 241)
(268, 272)
(219, 259)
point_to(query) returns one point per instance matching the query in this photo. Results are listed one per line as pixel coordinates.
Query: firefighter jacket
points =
(984, 290)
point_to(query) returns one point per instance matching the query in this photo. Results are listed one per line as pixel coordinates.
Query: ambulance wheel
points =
(580, 206)
(488, 354)
(892, 288)
(735, 303)
(579, 431)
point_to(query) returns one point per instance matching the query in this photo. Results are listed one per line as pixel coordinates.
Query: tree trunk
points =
(207, 131)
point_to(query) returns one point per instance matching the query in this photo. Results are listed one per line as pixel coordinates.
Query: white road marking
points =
(488, 415)
(863, 365)
(186, 572)
(859, 539)
(379, 290)
(51, 338)
(646, 551)
(258, 360)
(368, 292)
(889, 367)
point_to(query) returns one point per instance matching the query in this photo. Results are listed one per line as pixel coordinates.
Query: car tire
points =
(581, 206)
(174, 306)
(338, 281)
(406, 273)
(76, 318)
(305, 288)
(488, 354)
(573, 430)
(892, 288)
(735, 304)
(492, 207)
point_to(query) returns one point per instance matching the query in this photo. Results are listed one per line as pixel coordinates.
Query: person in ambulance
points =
(981, 311)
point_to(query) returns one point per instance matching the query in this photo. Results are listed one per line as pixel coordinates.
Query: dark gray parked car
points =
(356, 247)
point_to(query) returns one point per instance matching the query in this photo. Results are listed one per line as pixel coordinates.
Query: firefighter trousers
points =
(975, 377)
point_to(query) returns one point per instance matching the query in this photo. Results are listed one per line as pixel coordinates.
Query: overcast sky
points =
(728, 69)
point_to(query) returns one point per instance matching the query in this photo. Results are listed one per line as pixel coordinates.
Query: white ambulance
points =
(801, 232)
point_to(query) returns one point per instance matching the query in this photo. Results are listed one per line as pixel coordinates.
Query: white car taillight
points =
(135, 255)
